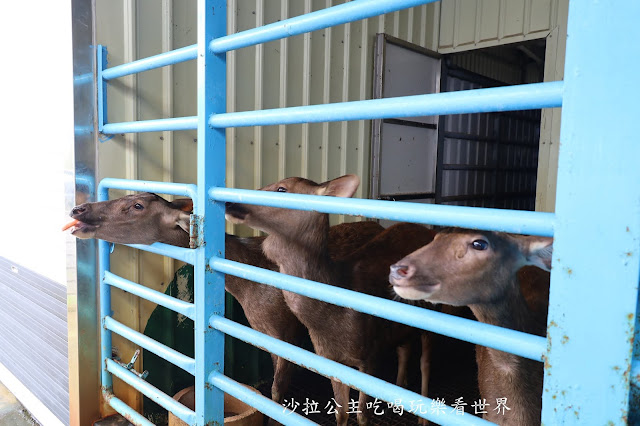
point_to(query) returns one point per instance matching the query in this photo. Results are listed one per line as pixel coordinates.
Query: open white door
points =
(403, 151)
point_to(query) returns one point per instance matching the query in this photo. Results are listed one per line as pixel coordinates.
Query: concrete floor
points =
(12, 413)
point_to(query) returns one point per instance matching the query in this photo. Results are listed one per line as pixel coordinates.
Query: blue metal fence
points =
(596, 224)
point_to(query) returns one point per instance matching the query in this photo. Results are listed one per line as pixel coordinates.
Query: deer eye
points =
(138, 206)
(479, 245)
(281, 189)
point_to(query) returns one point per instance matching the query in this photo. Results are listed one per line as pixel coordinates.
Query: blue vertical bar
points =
(596, 258)
(105, 307)
(209, 284)
(634, 399)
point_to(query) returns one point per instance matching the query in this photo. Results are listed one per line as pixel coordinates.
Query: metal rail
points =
(333, 370)
(525, 96)
(525, 345)
(180, 306)
(523, 222)
(171, 355)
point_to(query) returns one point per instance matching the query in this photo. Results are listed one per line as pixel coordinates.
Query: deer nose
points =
(401, 271)
(79, 209)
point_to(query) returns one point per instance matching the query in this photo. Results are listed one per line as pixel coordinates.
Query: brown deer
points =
(480, 270)
(297, 242)
(146, 218)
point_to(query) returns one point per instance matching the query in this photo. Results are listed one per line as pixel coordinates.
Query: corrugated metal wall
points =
(277, 74)
(473, 24)
(331, 65)
(33, 335)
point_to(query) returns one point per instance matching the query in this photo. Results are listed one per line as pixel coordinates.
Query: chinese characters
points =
(438, 407)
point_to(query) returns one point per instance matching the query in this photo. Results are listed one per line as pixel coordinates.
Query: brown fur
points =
(450, 270)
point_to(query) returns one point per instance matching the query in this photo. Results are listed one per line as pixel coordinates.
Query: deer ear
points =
(184, 204)
(344, 186)
(184, 221)
(538, 252)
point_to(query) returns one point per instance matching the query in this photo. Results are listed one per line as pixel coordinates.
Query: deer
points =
(146, 218)
(297, 242)
(482, 271)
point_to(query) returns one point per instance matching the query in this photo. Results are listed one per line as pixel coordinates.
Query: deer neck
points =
(510, 310)
(504, 375)
(244, 250)
(176, 237)
(302, 252)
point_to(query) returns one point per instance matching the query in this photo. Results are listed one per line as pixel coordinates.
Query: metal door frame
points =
(82, 282)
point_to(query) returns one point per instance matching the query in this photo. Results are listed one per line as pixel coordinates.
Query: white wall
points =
(36, 110)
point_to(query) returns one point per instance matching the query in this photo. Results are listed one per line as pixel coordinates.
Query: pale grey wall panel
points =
(473, 24)
(33, 335)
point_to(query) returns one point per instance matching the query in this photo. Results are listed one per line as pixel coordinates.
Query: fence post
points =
(596, 259)
(209, 284)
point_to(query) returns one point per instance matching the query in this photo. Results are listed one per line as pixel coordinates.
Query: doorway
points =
(481, 160)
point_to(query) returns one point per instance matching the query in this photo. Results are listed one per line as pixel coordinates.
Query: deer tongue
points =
(70, 224)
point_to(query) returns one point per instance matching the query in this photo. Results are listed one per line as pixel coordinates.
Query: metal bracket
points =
(195, 230)
(129, 366)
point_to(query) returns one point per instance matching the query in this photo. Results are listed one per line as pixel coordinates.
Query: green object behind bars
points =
(242, 362)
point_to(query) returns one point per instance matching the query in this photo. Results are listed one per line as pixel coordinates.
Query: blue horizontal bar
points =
(370, 385)
(186, 363)
(518, 222)
(515, 342)
(524, 96)
(179, 253)
(185, 308)
(153, 393)
(181, 189)
(168, 58)
(262, 404)
(160, 125)
(520, 97)
(129, 413)
(331, 16)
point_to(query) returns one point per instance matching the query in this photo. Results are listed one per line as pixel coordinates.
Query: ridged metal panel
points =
(497, 155)
(489, 66)
(33, 335)
(472, 24)
(330, 65)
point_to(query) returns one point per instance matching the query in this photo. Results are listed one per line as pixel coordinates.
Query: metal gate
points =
(596, 225)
